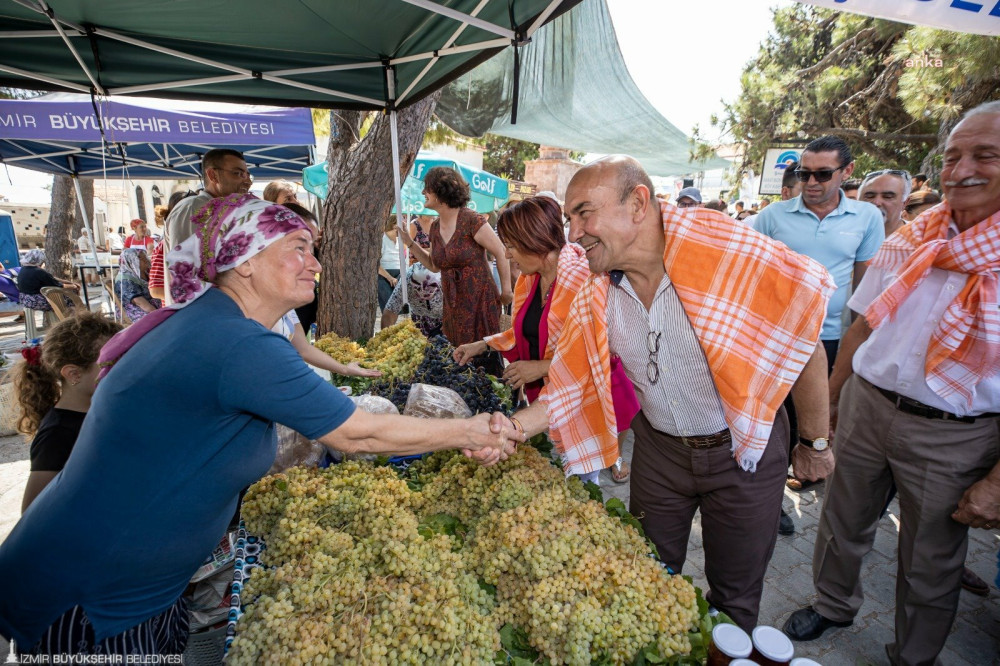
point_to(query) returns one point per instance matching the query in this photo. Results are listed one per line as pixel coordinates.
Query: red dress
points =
(471, 298)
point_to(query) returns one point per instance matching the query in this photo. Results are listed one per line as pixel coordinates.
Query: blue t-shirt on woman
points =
(180, 425)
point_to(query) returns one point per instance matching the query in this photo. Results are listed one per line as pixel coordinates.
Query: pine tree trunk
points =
(65, 223)
(360, 198)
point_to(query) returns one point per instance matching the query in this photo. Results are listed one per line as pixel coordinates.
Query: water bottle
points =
(312, 333)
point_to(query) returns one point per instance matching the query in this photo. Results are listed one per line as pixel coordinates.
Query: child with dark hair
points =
(54, 385)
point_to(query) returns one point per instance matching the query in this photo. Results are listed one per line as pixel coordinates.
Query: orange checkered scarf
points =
(965, 346)
(756, 307)
(572, 270)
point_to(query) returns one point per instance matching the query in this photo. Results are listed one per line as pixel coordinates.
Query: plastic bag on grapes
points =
(374, 404)
(435, 402)
(295, 449)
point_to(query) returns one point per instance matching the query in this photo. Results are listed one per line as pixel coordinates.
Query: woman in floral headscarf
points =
(98, 562)
(132, 286)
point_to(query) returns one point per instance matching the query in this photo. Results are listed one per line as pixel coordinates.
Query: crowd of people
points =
(851, 340)
(716, 323)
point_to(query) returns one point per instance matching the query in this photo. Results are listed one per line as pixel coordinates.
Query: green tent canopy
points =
(575, 92)
(313, 53)
(348, 54)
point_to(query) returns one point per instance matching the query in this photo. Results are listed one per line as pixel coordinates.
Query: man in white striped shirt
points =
(683, 457)
(918, 387)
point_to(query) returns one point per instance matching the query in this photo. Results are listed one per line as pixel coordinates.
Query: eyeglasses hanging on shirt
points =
(653, 345)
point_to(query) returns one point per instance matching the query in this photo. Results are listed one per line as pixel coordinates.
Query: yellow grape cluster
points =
(396, 351)
(457, 486)
(350, 580)
(340, 349)
(578, 581)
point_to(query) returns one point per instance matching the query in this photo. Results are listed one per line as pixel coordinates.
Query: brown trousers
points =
(739, 510)
(933, 462)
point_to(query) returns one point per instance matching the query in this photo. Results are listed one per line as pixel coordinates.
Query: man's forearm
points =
(534, 419)
(843, 367)
(811, 396)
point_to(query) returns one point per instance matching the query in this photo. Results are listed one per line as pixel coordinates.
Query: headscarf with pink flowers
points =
(227, 232)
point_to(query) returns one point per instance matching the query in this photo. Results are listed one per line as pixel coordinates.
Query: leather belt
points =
(917, 408)
(721, 438)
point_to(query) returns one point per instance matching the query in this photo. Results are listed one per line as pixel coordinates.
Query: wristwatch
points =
(818, 444)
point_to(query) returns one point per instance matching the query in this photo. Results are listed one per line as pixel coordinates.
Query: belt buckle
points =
(700, 442)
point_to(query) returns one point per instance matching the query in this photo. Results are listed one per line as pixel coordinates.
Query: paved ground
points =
(975, 639)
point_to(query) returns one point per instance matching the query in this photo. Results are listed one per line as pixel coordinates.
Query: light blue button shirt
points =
(852, 232)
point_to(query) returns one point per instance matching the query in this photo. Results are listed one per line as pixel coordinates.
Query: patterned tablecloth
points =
(248, 550)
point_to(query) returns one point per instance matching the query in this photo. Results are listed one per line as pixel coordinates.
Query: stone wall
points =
(552, 171)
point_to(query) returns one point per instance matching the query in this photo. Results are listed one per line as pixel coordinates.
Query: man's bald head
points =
(626, 171)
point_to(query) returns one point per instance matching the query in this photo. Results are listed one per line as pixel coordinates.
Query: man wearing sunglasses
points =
(714, 324)
(224, 172)
(917, 390)
(840, 233)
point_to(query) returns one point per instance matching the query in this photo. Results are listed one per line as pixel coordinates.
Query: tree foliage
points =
(864, 79)
(503, 156)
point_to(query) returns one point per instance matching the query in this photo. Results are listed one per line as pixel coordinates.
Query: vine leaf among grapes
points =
(442, 523)
(515, 643)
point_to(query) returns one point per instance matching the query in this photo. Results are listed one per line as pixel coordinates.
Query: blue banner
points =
(127, 123)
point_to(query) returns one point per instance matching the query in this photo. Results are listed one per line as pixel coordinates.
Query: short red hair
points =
(533, 226)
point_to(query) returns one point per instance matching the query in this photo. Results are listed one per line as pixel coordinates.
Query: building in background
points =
(552, 170)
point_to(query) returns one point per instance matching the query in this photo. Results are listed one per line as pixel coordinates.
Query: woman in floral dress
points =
(459, 241)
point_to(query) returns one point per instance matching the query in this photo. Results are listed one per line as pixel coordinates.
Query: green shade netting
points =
(575, 92)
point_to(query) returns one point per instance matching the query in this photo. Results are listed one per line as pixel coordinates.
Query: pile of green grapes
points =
(442, 566)
(396, 351)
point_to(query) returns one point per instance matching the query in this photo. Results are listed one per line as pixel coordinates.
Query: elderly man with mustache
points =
(917, 381)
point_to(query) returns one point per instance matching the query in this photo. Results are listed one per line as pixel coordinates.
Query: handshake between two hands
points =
(494, 437)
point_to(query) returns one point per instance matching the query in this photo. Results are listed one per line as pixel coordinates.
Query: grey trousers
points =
(933, 462)
(739, 510)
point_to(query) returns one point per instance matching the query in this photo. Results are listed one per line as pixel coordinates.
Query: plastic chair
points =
(109, 286)
(30, 330)
(63, 301)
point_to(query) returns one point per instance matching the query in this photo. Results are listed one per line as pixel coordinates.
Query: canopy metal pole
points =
(93, 242)
(397, 186)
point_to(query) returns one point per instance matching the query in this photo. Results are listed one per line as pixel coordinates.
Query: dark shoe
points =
(806, 624)
(785, 525)
(973, 583)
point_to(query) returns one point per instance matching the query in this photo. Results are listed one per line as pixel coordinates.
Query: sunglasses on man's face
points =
(821, 175)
